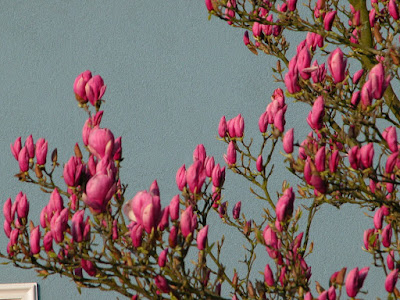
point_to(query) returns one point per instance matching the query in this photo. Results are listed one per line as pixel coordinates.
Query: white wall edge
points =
(22, 291)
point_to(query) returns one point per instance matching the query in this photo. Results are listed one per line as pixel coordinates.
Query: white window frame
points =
(20, 291)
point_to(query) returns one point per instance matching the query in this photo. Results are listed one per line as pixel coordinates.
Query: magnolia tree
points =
(100, 235)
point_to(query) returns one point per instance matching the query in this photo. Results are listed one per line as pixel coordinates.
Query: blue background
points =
(170, 74)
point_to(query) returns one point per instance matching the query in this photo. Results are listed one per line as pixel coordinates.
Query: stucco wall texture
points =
(170, 74)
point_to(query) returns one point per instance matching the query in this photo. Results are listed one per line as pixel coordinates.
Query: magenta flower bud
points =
(216, 175)
(23, 207)
(7, 228)
(393, 9)
(292, 5)
(308, 296)
(315, 117)
(279, 120)
(222, 127)
(318, 75)
(181, 177)
(268, 276)
(270, 238)
(14, 237)
(230, 126)
(95, 89)
(117, 149)
(320, 159)
(48, 241)
(79, 86)
(318, 183)
(352, 286)
(328, 20)
(162, 284)
(173, 236)
(337, 65)
(323, 296)
(378, 218)
(59, 224)
(357, 76)
(101, 142)
(239, 125)
(236, 210)
(391, 280)
(199, 153)
(209, 5)
(354, 157)
(390, 135)
(72, 171)
(99, 191)
(87, 127)
(246, 40)
(209, 165)
(390, 260)
(56, 203)
(334, 161)
(378, 81)
(136, 235)
(282, 276)
(303, 62)
(222, 209)
(307, 171)
(188, 221)
(230, 157)
(284, 207)
(288, 141)
(355, 98)
(174, 208)
(30, 146)
(154, 190)
(23, 160)
(7, 211)
(89, 267)
(202, 238)
(162, 258)
(263, 122)
(387, 235)
(77, 226)
(367, 155)
(259, 164)
(362, 275)
(195, 177)
(370, 234)
(34, 240)
(292, 83)
(41, 151)
(164, 220)
(16, 148)
(257, 28)
(371, 17)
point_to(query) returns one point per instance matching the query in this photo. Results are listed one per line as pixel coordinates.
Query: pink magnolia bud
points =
(188, 221)
(99, 191)
(230, 157)
(209, 165)
(89, 267)
(101, 142)
(164, 220)
(320, 159)
(263, 122)
(390, 136)
(23, 207)
(246, 40)
(56, 202)
(222, 127)
(378, 218)
(370, 238)
(354, 36)
(292, 5)
(239, 125)
(209, 5)
(136, 234)
(328, 20)
(174, 208)
(315, 117)
(367, 155)
(319, 73)
(181, 177)
(162, 284)
(48, 241)
(195, 177)
(356, 18)
(172, 238)
(371, 17)
(7, 228)
(95, 89)
(284, 207)
(16, 148)
(308, 296)
(288, 141)
(378, 81)
(34, 240)
(7, 211)
(318, 183)
(257, 28)
(79, 86)
(87, 127)
(117, 149)
(390, 260)
(162, 259)
(334, 161)
(354, 157)
(366, 94)
(391, 280)
(77, 226)
(387, 236)
(72, 171)
(23, 160)
(292, 82)
(282, 277)
(352, 286)
(14, 237)
(41, 151)
(307, 171)
(279, 120)
(337, 65)
(200, 153)
(357, 76)
(30, 146)
(259, 164)
(303, 62)
(236, 210)
(393, 9)
(268, 276)
(202, 238)
(323, 296)
(355, 99)
(216, 175)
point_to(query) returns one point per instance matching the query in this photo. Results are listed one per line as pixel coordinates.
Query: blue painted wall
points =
(171, 74)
